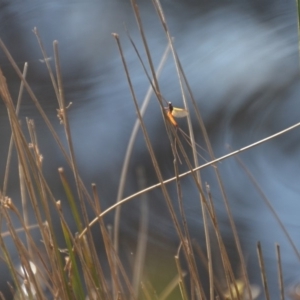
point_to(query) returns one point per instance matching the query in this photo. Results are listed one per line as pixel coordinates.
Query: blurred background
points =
(241, 60)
